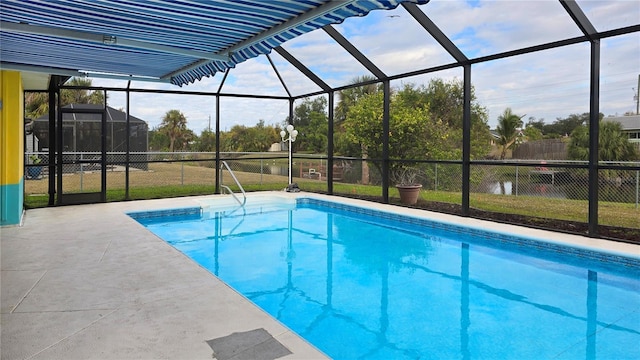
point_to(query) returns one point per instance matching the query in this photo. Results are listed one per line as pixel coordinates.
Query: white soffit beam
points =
(106, 40)
(75, 73)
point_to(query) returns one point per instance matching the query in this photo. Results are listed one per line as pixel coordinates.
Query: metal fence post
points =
(81, 172)
(261, 161)
(516, 180)
(637, 187)
(182, 169)
(436, 175)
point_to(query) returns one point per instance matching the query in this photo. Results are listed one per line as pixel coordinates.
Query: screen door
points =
(81, 156)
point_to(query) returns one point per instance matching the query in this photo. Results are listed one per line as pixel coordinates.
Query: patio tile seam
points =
(24, 269)
(71, 335)
(104, 253)
(284, 332)
(51, 268)
(18, 270)
(139, 301)
(28, 292)
(134, 302)
(66, 311)
(14, 237)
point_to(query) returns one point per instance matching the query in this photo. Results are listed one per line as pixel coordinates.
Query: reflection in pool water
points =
(363, 286)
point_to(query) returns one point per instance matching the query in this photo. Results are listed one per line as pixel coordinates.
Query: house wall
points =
(11, 148)
(634, 137)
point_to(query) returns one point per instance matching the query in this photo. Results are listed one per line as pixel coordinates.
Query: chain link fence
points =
(551, 189)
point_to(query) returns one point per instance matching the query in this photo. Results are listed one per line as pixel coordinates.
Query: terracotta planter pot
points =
(409, 193)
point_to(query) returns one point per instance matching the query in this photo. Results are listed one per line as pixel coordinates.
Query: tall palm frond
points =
(507, 129)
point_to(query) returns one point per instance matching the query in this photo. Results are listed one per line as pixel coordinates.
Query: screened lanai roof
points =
(174, 41)
(111, 115)
(537, 55)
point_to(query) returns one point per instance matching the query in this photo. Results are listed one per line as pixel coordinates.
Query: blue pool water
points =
(359, 284)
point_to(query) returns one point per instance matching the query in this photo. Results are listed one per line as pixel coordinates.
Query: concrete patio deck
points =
(88, 282)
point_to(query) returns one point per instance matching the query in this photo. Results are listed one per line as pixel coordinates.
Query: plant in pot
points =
(33, 172)
(406, 180)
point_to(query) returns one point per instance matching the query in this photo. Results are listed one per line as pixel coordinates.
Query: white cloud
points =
(607, 15)
(547, 84)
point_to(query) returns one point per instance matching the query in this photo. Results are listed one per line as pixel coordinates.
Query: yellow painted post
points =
(11, 148)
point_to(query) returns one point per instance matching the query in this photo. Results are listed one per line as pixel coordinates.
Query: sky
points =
(544, 85)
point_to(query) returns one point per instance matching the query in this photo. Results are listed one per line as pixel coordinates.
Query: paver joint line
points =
(72, 335)
(105, 250)
(27, 293)
(63, 311)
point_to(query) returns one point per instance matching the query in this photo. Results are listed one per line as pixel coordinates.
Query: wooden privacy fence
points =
(548, 149)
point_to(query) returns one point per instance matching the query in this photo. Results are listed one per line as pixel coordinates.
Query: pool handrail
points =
(244, 200)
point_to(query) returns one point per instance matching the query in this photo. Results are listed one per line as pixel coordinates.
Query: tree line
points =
(613, 143)
(425, 123)
(36, 104)
(431, 114)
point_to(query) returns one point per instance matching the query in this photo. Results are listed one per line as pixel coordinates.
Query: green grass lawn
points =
(173, 180)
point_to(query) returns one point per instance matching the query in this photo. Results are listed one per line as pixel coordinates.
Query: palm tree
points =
(508, 124)
(81, 96)
(37, 103)
(613, 144)
(350, 96)
(174, 125)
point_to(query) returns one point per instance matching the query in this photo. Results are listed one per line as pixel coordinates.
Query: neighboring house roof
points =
(113, 115)
(629, 123)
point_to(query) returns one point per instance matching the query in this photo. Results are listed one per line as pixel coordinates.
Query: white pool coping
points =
(559, 238)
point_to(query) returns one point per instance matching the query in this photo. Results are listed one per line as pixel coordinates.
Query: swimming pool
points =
(361, 283)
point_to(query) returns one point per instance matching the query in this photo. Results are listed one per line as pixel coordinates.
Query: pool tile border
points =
(536, 243)
(151, 214)
(502, 238)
